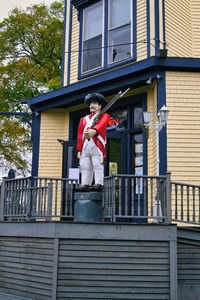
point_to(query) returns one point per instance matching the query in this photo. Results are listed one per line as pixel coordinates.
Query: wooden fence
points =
(54, 260)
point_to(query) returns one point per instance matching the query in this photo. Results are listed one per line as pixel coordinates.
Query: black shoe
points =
(82, 188)
(96, 188)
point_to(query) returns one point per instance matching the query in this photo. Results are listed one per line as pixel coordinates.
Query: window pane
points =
(138, 116)
(92, 58)
(93, 21)
(119, 12)
(118, 120)
(92, 37)
(114, 147)
(118, 36)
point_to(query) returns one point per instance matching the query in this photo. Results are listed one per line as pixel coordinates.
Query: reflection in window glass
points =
(93, 21)
(92, 58)
(138, 162)
(120, 36)
(118, 120)
(119, 12)
(138, 116)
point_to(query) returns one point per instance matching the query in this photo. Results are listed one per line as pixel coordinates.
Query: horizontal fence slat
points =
(120, 272)
(107, 296)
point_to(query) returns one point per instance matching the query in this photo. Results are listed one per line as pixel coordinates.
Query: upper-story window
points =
(92, 37)
(106, 34)
(119, 30)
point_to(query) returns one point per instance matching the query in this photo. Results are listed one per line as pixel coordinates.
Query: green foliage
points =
(13, 146)
(30, 63)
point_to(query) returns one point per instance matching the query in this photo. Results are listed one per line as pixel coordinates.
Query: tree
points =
(11, 152)
(30, 63)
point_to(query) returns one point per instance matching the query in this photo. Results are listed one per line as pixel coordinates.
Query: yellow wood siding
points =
(178, 26)
(196, 27)
(152, 27)
(161, 24)
(152, 106)
(183, 126)
(151, 142)
(74, 47)
(141, 30)
(54, 125)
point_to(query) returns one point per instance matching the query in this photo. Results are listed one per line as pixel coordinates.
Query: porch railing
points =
(126, 198)
(37, 198)
(185, 203)
(137, 198)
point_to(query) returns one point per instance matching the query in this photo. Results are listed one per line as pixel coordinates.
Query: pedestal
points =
(88, 207)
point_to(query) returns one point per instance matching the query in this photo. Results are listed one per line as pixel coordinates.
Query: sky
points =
(7, 5)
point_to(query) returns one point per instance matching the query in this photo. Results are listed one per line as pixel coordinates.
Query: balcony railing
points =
(37, 198)
(126, 198)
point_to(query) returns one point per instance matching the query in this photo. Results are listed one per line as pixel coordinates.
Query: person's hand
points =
(79, 155)
(89, 133)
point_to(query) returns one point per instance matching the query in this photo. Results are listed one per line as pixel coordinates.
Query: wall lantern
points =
(161, 121)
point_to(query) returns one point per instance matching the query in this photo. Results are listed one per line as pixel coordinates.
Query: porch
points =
(135, 253)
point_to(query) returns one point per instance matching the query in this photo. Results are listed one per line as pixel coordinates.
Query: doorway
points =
(115, 154)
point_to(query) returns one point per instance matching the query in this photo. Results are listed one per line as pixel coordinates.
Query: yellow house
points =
(149, 46)
(153, 48)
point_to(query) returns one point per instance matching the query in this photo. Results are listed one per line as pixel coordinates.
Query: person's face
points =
(95, 107)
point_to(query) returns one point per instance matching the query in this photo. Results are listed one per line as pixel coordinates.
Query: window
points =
(118, 120)
(138, 116)
(107, 34)
(92, 37)
(119, 33)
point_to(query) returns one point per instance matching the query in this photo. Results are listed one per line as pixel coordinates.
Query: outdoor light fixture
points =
(163, 115)
(155, 77)
(162, 53)
(161, 121)
(147, 117)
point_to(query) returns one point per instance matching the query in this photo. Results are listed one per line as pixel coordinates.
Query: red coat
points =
(100, 127)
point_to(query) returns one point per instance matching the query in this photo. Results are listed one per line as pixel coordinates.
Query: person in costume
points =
(91, 144)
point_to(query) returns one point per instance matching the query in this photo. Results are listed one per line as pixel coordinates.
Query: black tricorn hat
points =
(95, 97)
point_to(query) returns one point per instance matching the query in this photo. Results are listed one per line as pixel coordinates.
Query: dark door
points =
(115, 154)
(125, 156)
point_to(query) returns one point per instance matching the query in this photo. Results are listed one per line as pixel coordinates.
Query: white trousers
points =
(91, 163)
